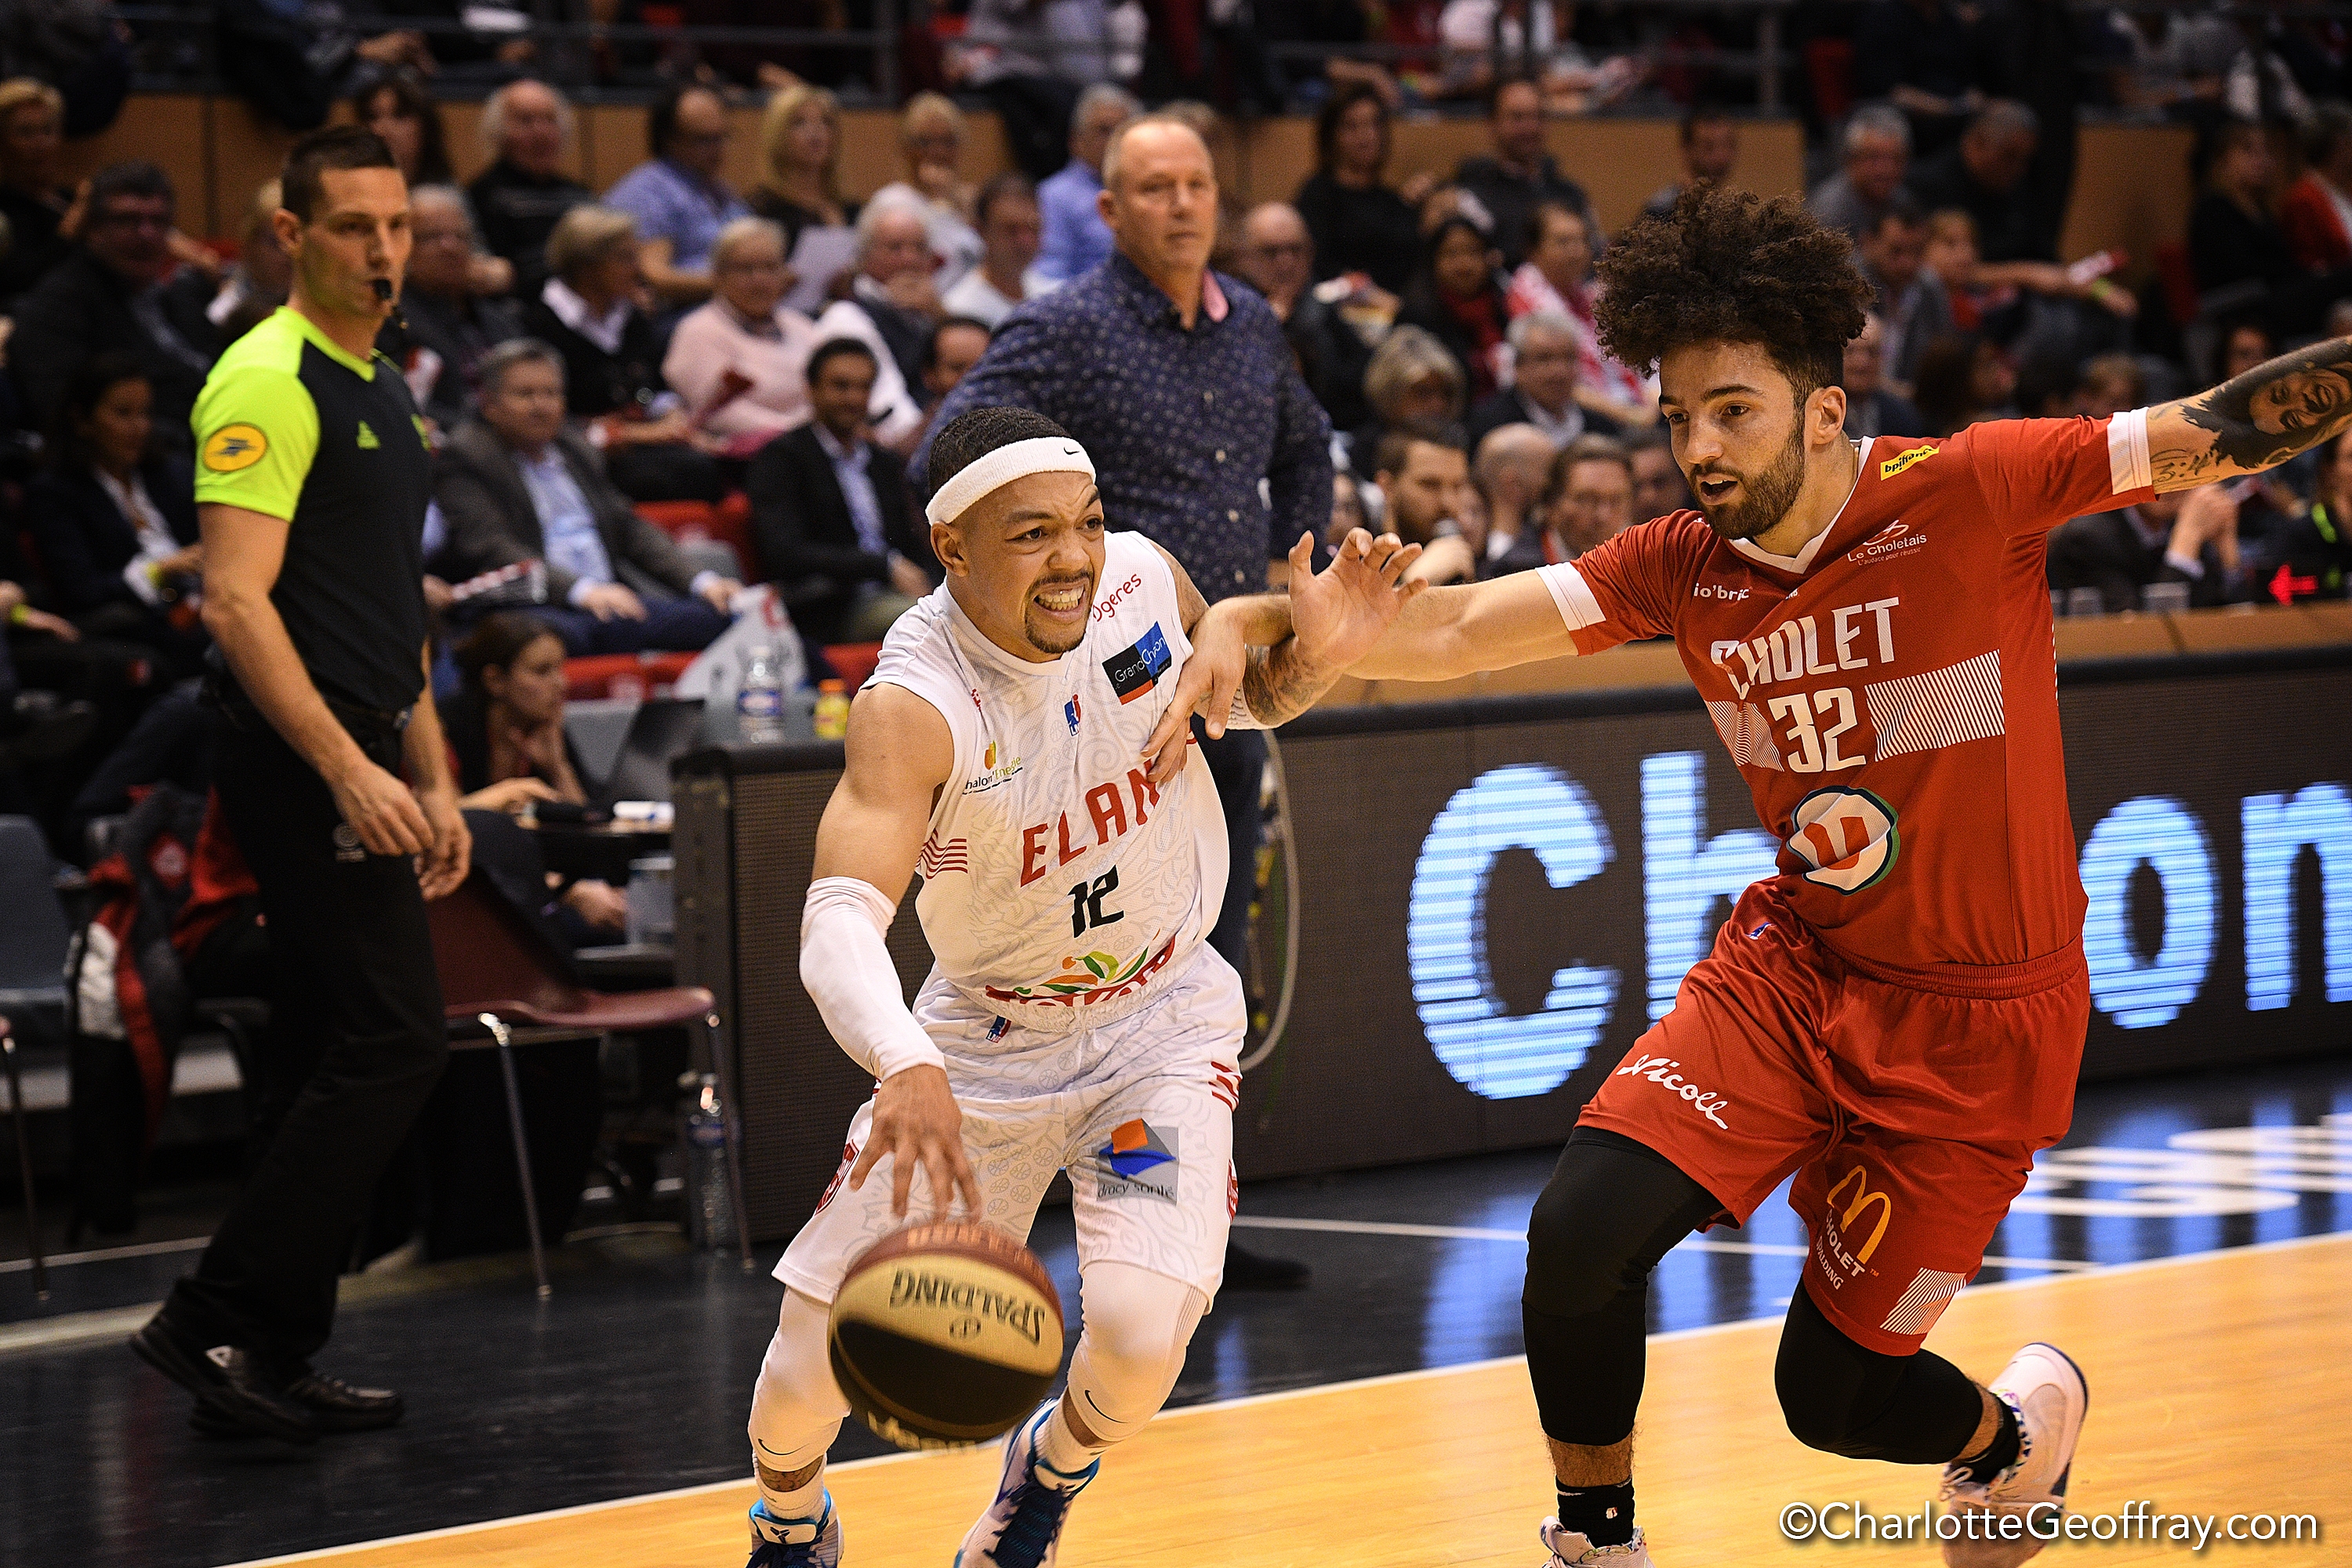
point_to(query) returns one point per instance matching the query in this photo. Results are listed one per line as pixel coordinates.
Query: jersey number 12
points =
(1087, 903)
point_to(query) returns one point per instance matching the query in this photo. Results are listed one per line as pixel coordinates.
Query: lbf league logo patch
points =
(1140, 1162)
(1847, 837)
(1070, 714)
(234, 447)
(1134, 671)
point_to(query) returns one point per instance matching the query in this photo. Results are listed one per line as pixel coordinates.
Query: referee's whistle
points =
(383, 286)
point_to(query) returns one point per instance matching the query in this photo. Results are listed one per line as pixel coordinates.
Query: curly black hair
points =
(1728, 265)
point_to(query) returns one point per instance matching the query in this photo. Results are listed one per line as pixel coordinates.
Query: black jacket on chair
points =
(84, 539)
(807, 539)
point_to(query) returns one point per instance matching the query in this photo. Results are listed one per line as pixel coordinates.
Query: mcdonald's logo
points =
(1862, 1198)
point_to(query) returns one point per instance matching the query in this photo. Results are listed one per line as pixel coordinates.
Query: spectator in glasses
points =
(110, 295)
(676, 196)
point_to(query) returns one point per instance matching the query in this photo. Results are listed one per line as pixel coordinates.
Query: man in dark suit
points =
(2186, 536)
(112, 294)
(833, 513)
(1543, 392)
(516, 484)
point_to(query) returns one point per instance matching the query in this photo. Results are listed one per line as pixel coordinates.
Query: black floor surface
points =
(635, 1377)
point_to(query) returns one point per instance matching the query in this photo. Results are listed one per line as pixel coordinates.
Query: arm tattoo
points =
(2262, 419)
(1279, 685)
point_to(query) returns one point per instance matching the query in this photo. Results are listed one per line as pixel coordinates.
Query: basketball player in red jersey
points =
(1899, 1014)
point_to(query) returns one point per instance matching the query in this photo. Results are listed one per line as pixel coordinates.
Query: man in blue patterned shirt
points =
(1180, 383)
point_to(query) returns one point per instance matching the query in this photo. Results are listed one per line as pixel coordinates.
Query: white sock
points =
(1059, 1446)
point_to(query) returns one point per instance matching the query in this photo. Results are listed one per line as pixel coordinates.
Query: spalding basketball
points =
(945, 1335)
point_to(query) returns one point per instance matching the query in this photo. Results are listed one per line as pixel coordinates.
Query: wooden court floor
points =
(2220, 1384)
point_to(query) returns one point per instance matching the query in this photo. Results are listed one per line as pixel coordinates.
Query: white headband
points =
(1039, 454)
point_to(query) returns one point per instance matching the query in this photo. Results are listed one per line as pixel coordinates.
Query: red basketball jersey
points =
(1891, 693)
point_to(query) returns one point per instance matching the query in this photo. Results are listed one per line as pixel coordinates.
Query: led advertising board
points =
(1498, 897)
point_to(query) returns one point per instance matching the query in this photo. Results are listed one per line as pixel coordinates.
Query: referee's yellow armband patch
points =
(234, 447)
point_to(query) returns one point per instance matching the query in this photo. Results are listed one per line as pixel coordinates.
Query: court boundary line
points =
(1243, 1401)
(107, 1253)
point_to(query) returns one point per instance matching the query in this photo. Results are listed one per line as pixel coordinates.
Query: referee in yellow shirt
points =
(311, 481)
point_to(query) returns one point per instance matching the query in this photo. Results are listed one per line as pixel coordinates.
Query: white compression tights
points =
(1138, 1324)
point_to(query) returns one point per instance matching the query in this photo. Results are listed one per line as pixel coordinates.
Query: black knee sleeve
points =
(1611, 1211)
(1844, 1398)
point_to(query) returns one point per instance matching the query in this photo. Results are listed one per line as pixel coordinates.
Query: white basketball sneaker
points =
(1023, 1528)
(2050, 1397)
(1570, 1549)
(780, 1542)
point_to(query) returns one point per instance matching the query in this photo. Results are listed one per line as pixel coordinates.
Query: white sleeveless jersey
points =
(1060, 889)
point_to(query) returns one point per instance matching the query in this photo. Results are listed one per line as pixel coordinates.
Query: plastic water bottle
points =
(759, 701)
(709, 1203)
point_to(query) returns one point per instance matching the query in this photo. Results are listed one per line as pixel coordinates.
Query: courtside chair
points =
(34, 939)
(24, 1162)
(502, 986)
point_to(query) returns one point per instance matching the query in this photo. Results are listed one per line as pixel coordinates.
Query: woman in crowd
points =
(745, 338)
(930, 139)
(115, 526)
(1963, 379)
(2235, 240)
(1457, 299)
(1558, 276)
(397, 108)
(1413, 384)
(32, 114)
(508, 749)
(1357, 222)
(800, 143)
(612, 360)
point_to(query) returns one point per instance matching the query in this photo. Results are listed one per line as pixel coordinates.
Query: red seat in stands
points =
(696, 522)
(598, 675)
(854, 660)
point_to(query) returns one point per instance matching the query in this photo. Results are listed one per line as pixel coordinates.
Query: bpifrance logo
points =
(1846, 836)
(234, 447)
(1906, 459)
(1138, 1163)
(1137, 669)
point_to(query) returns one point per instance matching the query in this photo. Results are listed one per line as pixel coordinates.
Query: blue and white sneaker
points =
(2050, 1397)
(1023, 1528)
(780, 1542)
(1570, 1549)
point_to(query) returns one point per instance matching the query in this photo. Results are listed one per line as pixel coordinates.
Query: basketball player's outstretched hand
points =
(917, 1122)
(1338, 613)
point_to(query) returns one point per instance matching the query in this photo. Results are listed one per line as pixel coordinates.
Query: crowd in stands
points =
(584, 361)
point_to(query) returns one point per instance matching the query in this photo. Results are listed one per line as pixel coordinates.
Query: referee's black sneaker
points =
(229, 1379)
(333, 1404)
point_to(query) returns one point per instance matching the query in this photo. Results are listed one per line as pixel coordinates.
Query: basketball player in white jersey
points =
(1075, 1018)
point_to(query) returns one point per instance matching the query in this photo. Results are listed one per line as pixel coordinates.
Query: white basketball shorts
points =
(1139, 1113)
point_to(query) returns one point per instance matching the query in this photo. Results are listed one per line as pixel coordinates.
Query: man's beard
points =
(1767, 497)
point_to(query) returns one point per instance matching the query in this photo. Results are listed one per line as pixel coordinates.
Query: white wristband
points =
(846, 967)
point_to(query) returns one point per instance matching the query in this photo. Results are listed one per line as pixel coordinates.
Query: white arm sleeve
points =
(849, 974)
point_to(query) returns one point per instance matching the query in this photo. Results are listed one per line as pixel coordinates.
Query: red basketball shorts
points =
(1909, 1104)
